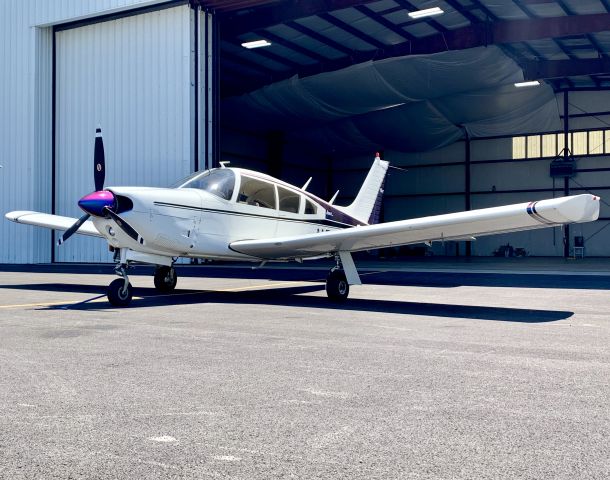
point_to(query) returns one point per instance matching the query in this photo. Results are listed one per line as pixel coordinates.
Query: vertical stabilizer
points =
(367, 205)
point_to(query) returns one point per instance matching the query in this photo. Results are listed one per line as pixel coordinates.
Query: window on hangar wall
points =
(594, 142)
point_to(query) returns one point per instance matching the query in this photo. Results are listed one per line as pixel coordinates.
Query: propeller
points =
(99, 162)
(68, 233)
(100, 202)
(99, 175)
(123, 225)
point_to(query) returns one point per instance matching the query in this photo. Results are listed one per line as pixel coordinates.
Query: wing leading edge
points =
(55, 222)
(452, 226)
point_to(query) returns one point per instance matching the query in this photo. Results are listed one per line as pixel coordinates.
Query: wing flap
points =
(55, 222)
(488, 221)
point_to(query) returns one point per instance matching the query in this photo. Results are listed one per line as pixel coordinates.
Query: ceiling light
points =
(428, 12)
(533, 83)
(256, 44)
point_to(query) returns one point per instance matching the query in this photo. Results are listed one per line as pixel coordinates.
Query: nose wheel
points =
(165, 279)
(120, 290)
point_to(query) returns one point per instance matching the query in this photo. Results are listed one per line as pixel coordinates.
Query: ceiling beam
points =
(236, 23)
(546, 69)
(319, 37)
(476, 35)
(351, 30)
(291, 45)
(538, 28)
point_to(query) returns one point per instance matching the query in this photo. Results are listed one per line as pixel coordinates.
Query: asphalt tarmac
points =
(246, 374)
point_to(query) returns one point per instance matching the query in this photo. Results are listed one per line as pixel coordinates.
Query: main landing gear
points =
(341, 276)
(337, 287)
(165, 279)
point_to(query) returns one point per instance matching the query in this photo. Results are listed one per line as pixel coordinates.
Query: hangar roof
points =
(349, 75)
(565, 42)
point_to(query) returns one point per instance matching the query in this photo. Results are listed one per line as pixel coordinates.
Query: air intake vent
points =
(123, 204)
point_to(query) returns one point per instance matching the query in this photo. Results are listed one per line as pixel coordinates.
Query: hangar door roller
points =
(132, 76)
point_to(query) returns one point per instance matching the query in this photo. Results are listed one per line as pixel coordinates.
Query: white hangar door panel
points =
(132, 76)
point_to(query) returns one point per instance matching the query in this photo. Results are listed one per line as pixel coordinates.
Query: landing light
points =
(428, 12)
(256, 44)
(533, 83)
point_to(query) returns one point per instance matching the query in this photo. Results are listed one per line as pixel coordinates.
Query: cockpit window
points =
(256, 192)
(219, 181)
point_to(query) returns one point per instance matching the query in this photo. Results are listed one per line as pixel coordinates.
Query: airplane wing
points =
(55, 222)
(452, 226)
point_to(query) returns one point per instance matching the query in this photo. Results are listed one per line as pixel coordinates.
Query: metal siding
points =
(16, 123)
(132, 76)
(48, 12)
(25, 114)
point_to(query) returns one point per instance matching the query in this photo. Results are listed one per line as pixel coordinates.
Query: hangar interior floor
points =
(444, 369)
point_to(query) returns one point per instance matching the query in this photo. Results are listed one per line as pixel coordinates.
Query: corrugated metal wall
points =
(25, 115)
(16, 146)
(132, 76)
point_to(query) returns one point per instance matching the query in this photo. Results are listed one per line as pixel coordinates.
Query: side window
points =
(310, 208)
(256, 192)
(289, 201)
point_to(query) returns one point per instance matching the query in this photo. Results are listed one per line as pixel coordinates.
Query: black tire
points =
(165, 279)
(337, 287)
(116, 294)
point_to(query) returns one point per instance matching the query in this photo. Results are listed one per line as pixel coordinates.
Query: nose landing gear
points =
(120, 290)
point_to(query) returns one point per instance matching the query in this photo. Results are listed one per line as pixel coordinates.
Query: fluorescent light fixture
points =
(256, 44)
(533, 83)
(428, 12)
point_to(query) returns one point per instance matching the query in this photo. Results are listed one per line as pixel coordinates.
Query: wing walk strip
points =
(531, 210)
(198, 292)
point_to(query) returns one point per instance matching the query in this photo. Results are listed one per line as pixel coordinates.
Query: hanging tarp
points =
(413, 103)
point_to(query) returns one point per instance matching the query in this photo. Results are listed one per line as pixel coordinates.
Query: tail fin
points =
(367, 205)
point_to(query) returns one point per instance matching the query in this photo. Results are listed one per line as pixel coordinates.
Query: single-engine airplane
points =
(237, 214)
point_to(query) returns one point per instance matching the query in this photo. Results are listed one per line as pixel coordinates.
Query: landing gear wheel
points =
(118, 295)
(165, 279)
(337, 287)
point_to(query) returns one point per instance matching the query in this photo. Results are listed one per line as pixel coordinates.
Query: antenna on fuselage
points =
(334, 197)
(223, 164)
(304, 187)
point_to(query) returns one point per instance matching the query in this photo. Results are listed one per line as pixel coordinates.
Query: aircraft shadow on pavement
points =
(399, 278)
(295, 297)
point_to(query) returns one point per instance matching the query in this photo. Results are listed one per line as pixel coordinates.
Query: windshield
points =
(219, 181)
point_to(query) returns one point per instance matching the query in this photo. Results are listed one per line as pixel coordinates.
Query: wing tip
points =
(14, 216)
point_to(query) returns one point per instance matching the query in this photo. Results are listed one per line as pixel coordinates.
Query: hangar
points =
(441, 96)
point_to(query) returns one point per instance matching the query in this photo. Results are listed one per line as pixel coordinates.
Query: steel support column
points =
(566, 180)
(467, 184)
(275, 153)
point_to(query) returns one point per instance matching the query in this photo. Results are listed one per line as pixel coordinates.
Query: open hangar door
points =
(132, 76)
(437, 95)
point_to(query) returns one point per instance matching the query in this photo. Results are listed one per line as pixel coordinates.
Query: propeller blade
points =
(123, 225)
(68, 233)
(99, 163)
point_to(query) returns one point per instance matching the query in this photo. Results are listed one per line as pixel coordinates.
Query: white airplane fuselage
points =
(190, 222)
